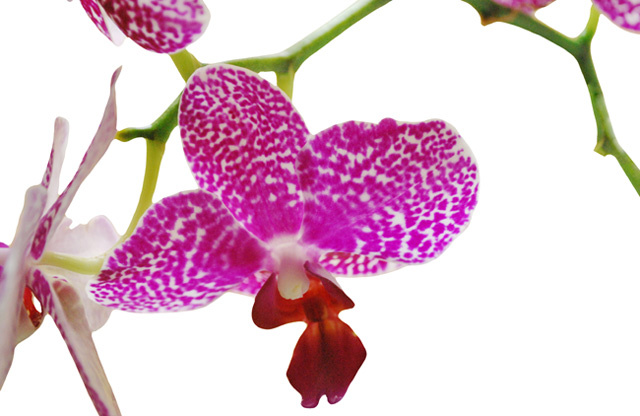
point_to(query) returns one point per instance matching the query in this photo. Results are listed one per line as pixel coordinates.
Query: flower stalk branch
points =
(580, 48)
(155, 151)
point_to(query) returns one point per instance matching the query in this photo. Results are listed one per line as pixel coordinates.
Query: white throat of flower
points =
(289, 258)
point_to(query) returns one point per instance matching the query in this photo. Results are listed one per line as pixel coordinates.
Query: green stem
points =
(155, 151)
(285, 81)
(292, 58)
(284, 64)
(580, 49)
(159, 130)
(89, 266)
(185, 63)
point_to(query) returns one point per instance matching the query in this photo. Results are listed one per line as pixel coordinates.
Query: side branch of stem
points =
(580, 48)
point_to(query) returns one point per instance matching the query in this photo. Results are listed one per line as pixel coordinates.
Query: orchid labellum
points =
(163, 26)
(24, 273)
(280, 211)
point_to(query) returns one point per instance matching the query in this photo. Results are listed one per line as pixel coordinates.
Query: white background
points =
(534, 310)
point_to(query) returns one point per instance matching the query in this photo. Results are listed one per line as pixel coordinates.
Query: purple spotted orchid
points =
(623, 13)
(280, 211)
(24, 275)
(163, 26)
(527, 6)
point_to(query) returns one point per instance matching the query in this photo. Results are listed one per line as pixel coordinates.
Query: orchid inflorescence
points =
(279, 212)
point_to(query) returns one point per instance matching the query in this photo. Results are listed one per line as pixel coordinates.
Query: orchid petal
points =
(527, 6)
(252, 284)
(86, 240)
(102, 21)
(186, 251)
(51, 178)
(328, 354)
(60, 300)
(396, 191)
(241, 137)
(624, 13)
(101, 141)
(12, 280)
(163, 26)
(349, 264)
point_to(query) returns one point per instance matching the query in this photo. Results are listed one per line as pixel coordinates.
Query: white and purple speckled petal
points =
(241, 136)
(186, 251)
(624, 13)
(349, 264)
(527, 6)
(252, 284)
(101, 141)
(12, 278)
(51, 177)
(102, 21)
(395, 191)
(60, 300)
(163, 26)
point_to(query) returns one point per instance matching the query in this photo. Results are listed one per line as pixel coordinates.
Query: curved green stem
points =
(290, 60)
(159, 130)
(89, 266)
(155, 151)
(186, 63)
(284, 64)
(580, 48)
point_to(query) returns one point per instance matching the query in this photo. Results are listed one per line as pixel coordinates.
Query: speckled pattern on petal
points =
(102, 21)
(241, 136)
(101, 141)
(397, 191)
(186, 251)
(624, 13)
(349, 264)
(163, 26)
(60, 300)
(527, 6)
(51, 177)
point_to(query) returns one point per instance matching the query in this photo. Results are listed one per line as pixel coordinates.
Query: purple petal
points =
(102, 21)
(527, 6)
(12, 279)
(252, 284)
(60, 300)
(395, 191)
(186, 251)
(348, 264)
(51, 177)
(163, 26)
(101, 141)
(624, 13)
(241, 136)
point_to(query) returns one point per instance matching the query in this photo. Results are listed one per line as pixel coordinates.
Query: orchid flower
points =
(624, 13)
(163, 26)
(527, 6)
(24, 273)
(280, 210)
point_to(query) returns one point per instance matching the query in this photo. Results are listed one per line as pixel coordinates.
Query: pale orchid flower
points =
(23, 275)
(163, 26)
(281, 210)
